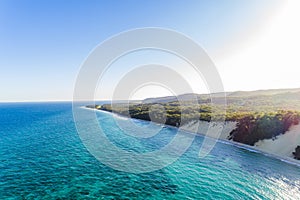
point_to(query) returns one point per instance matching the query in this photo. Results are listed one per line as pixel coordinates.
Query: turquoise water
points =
(42, 157)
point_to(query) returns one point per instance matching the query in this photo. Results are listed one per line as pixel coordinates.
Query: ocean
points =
(43, 157)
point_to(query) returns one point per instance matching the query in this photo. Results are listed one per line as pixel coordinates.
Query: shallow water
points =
(42, 156)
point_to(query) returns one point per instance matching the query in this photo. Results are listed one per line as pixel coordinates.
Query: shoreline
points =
(255, 149)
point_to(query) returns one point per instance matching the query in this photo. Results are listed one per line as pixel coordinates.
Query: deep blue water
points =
(42, 157)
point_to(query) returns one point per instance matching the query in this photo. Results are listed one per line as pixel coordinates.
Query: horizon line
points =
(71, 100)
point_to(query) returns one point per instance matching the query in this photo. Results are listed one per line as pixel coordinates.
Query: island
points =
(267, 120)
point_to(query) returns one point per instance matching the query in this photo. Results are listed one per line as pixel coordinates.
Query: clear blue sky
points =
(43, 43)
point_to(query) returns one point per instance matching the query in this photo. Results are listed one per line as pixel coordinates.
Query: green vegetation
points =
(297, 153)
(250, 129)
(252, 126)
(260, 114)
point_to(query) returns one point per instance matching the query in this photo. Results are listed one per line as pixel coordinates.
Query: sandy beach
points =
(214, 127)
(284, 144)
(282, 147)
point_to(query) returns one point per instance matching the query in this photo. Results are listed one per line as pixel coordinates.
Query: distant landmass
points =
(264, 119)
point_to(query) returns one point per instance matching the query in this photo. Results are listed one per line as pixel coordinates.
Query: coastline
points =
(222, 137)
(229, 127)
